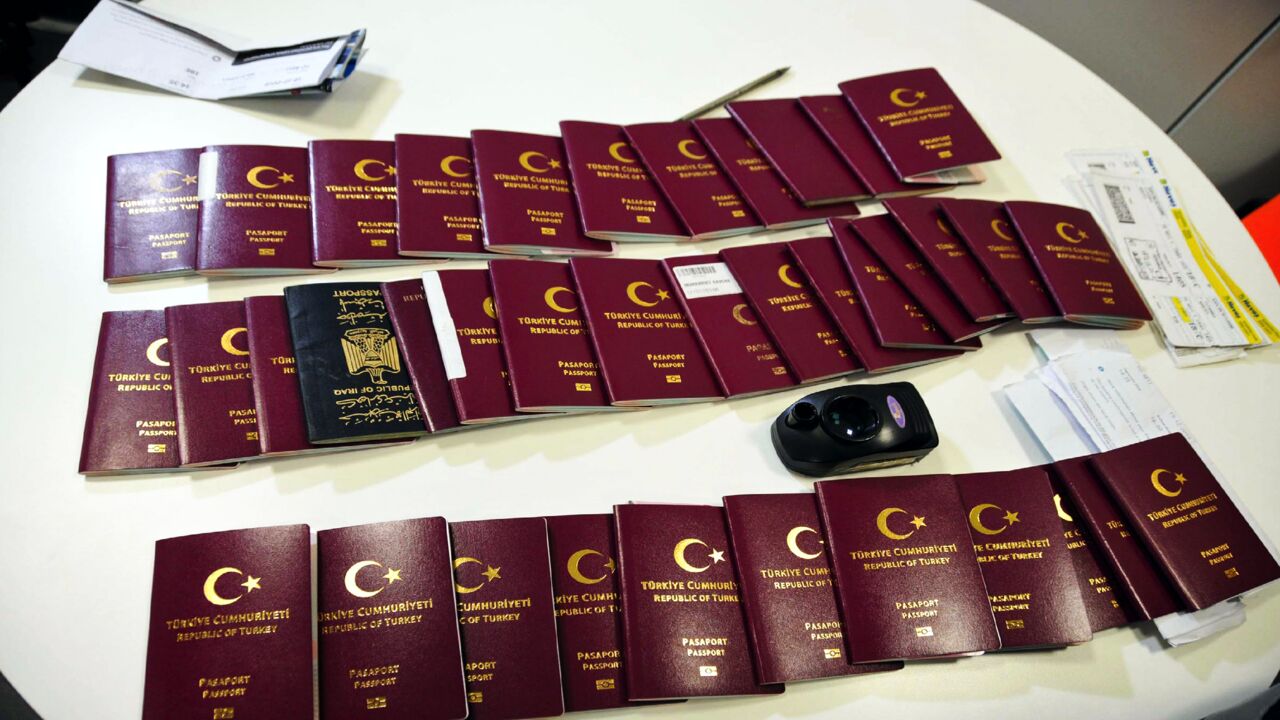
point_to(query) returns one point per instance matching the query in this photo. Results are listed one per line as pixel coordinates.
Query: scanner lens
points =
(851, 418)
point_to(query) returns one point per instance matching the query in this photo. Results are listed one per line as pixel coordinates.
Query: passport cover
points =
(230, 629)
(924, 225)
(584, 573)
(798, 150)
(918, 122)
(411, 320)
(282, 424)
(683, 629)
(437, 201)
(151, 215)
(1174, 503)
(354, 384)
(1085, 278)
(758, 182)
(985, 228)
(502, 575)
(255, 211)
(819, 259)
(617, 199)
(544, 338)
(212, 383)
(1025, 564)
(648, 353)
(907, 577)
(780, 296)
(741, 354)
(836, 120)
(353, 203)
(131, 425)
(787, 592)
(1136, 574)
(703, 199)
(388, 622)
(525, 196)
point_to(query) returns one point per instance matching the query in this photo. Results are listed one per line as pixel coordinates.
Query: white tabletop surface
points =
(76, 554)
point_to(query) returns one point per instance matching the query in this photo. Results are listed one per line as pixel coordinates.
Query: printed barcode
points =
(1123, 214)
(696, 270)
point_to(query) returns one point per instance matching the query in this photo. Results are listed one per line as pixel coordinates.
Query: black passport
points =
(354, 382)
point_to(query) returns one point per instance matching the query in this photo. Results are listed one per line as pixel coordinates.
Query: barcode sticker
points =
(442, 320)
(706, 280)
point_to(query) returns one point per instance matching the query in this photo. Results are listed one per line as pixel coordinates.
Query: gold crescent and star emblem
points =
(615, 151)
(975, 519)
(715, 556)
(1057, 503)
(882, 523)
(354, 588)
(896, 98)
(527, 156)
(1000, 228)
(157, 178)
(575, 570)
(684, 145)
(1160, 487)
(793, 537)
(362, 170)
(153, 352)
(229, 346)
(784, 274)
(943, 226)
(490, 574)
(1077, 237)
(737, 313)
(211, 586)
(254, 172)
(446, 166)
(550, 298)
(634, 297)
(488, 307)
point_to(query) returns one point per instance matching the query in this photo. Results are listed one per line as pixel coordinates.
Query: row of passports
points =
(254, 209)
(531, 617)
(332, 365)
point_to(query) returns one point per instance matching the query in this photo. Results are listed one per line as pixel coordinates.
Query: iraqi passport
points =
(388, 622)
(353, 203)
(683, 629)
(151, 215)
(502, 576)
(230, 629)
(906, 573)
(354, 384)
(437, 201)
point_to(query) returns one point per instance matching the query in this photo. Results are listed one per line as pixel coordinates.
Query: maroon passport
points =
(466, 325)
(901, 258)
(741, 354)
(796, 147)
(255, 211)
(985, 228)
(502, 574)
(1135, 571)
(692, 183)
(918, 122)
(842, 128)
(282, 423)
(617, 199)
(761, 185)
(648, 353)
(388, 622)
(780, 295)
(544, 338)
(683, 627)
(353, 203)
(411, 319)
(131, 424)
(819, 259)
(231, 626)
(584, 571)
(437, 202)
(525, 197)
(151, 215)
(1185, 519)
(212, 383)
(906, 575)
(894, 315)
(787, 591)
(1086, 279)
(948, 257)
(1025, 564)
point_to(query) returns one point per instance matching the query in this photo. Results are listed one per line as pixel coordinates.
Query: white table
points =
(76, 555)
